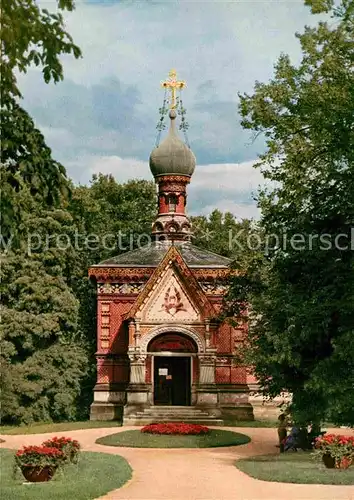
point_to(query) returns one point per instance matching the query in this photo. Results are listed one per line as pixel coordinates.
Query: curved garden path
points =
(195, 474)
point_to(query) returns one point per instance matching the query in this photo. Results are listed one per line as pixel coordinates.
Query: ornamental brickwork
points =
(161, 339)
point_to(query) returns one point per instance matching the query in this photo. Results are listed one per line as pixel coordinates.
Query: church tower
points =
(172, 164)
(163, 353)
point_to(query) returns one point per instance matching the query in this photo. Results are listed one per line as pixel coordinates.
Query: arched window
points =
(172, 203)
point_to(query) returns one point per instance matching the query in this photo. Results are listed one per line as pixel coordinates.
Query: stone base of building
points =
(211, 403)
(106, 411)
(230, 401)
(220, 403)
(108, 402)
(267, 409)
(234, 414)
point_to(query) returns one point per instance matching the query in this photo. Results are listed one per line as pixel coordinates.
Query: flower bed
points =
(178, 428)
(336, 446)
(69, 447)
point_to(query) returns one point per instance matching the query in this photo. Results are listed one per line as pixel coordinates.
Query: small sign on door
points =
(163, 371)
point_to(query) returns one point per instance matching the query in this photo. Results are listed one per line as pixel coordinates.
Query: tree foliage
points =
(48, 331)
(43, 350)
(48, 334)
(223, 234)
(30, 36)
(302, 291)
(25, 161)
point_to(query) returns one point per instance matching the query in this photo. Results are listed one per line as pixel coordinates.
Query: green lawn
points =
(41, 428)
(250, 423)
(137, 439)
(297, 467)
(95, 475)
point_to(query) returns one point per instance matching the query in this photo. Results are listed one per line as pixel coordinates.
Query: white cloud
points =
(228, 177)
(228, 187)
(231, 42)
(123, 169)
(239, 210)
(93, 125)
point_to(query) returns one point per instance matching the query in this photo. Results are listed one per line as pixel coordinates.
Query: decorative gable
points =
(172, 294)
(168, 302)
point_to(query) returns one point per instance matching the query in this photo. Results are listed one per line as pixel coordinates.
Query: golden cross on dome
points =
(172, 84)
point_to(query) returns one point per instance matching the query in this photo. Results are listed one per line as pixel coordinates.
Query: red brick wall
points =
(104, 372)
(223, 339)
(238, 375)
(112, 371)
(117, 341)
(228, 341)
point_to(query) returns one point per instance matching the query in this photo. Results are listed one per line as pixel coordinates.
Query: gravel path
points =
(195, 474)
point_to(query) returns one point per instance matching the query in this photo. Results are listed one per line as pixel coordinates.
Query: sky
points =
(103, 116)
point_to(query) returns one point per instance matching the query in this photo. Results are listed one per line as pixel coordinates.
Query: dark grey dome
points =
(172, 156)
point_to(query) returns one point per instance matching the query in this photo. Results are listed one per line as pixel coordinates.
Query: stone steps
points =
(186, 414)
(171, 413)
(145, 421)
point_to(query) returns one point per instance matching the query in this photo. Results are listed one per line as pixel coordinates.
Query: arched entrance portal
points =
(172, 358)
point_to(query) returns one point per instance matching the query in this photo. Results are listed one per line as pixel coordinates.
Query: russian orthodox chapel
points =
(162, 351)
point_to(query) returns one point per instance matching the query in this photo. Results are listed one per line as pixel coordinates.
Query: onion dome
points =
(172, 156)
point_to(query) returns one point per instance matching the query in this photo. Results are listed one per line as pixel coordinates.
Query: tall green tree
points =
(25, 160)
(30, 36)
(43, 349)
(301, 329)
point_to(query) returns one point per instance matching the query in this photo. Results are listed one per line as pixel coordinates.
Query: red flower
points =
(61, 442)
(340, 447)
(69, 447)
(38, 456)
(178, 428)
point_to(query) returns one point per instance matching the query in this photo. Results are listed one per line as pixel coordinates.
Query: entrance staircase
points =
(188, 414)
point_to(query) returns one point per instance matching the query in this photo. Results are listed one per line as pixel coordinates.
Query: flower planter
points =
(329, 461)
(345, 463)
(335, 450)
(38, 474)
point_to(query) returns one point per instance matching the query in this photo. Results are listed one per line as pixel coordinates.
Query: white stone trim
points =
(146, 339)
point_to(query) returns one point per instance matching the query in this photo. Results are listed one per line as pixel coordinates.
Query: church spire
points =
(172, 164)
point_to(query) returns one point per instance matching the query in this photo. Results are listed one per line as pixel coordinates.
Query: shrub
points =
(340, 447)
(176, 428)
(69, 447)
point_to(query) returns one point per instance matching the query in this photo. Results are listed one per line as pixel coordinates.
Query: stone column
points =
(137, 333)
(206, 393)
(131, 329)
(207, 333)
(137, 368)
(207, 369)
(137, 392)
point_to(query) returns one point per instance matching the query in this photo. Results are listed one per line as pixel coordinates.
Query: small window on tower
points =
(172, 203)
